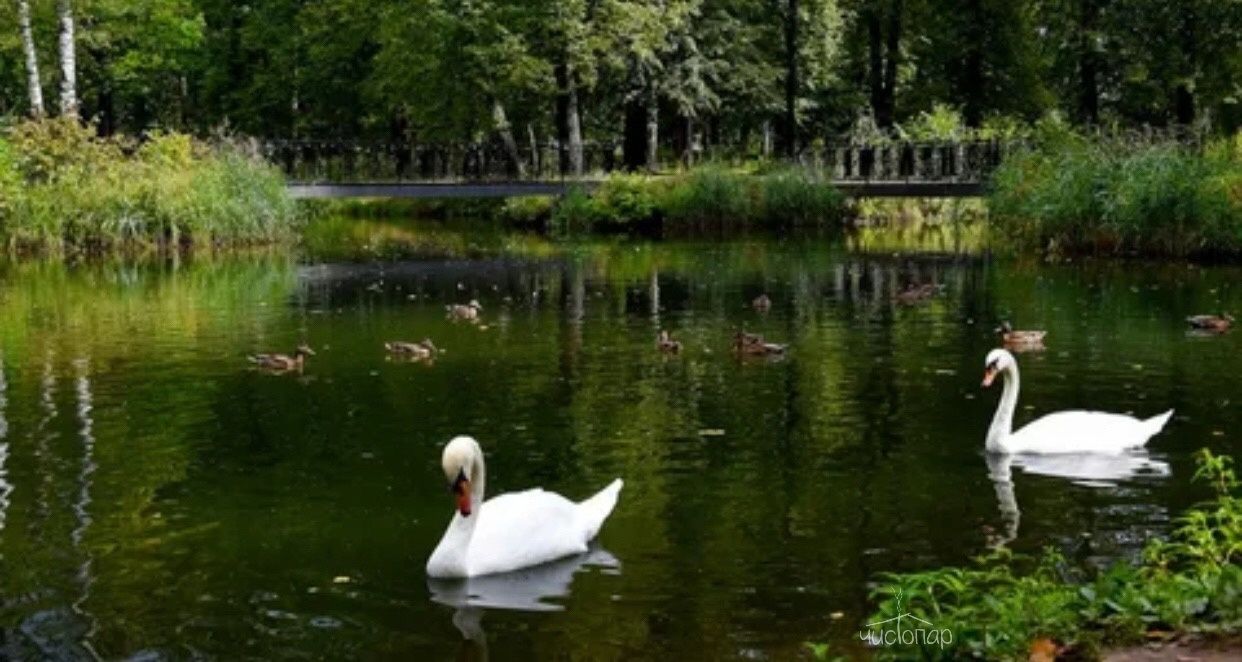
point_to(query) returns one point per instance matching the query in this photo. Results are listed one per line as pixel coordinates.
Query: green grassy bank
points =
(63, 188)
(1071, 195)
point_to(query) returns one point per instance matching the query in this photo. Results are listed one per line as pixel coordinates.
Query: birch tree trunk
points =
(68, 61)
(33, 85)
(506, 136)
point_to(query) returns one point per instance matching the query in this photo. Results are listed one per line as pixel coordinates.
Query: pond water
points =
(160, 498)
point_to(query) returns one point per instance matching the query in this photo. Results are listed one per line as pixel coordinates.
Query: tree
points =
(68, 60)
(34, 86)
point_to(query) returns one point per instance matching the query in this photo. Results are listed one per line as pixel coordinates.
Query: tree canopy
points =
(655, 73)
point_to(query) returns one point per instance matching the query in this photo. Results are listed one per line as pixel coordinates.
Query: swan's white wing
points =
(1081, 432)
(521, 529)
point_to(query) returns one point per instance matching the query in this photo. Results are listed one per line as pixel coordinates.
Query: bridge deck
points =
(851, 188)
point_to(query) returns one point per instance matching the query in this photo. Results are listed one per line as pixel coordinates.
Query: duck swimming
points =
(283, 362)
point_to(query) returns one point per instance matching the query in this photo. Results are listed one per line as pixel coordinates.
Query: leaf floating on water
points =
(946, 371)
(342, 579)
(837, 615)
(1218, 433)
(1137, 366)
(711, 432)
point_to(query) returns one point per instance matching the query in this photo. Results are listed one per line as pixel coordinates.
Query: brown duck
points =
(283, 362)
(917, 293)
(424, 349)
(1010, 336)
(465, 312)
(665, 342)
(1216, 323)
(753, 344)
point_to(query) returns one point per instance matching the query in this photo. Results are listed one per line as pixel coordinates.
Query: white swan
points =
(514, 530)
(1064, 431)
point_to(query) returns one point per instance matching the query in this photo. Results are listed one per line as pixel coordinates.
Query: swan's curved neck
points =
(1002, 422)
(450, 557)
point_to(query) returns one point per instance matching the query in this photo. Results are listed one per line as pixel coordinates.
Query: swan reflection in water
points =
(528, 589)
(1086, 469)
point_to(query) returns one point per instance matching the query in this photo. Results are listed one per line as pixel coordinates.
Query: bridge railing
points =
(352, 161)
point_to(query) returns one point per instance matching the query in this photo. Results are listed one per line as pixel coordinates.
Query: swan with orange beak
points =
(511, 531)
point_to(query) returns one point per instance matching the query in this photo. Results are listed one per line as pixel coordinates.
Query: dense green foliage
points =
(64, 187)
(704, 72)
(998, 607)
(705, 198)
(1073, 194)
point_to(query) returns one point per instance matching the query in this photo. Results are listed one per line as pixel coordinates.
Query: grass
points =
(706, 198)
(64, 189)
(1003, 604)
(1108, 196)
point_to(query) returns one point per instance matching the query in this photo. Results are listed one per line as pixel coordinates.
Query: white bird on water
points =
(510, 531)
(1074, 431)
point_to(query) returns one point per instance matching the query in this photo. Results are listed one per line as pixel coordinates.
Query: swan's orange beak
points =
(989, 374)
(462, 490)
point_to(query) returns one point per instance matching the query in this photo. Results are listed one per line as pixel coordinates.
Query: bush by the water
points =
(999, 607)
(62, 186)
(1073, 194)
(709, 197)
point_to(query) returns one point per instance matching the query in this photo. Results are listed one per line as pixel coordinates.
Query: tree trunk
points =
(568, 120)
(505, 130)
(890, 66)
(972, 93)
(573, 123)
(653, 129)
(1184, 98)
(68, 61)
(875, 62)
(634, 143)
(33, 85)
(789, 127)
(884, 54)
(1088, 67)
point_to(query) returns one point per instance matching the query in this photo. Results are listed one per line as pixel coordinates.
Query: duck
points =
(1073, 431)
(762, 303)
(424, 349)
(666, 344)
(513, 530)
(1217, 323)
(283, 362)
(467, 313)
(753, 344)
(917, 293)
(1009, 336)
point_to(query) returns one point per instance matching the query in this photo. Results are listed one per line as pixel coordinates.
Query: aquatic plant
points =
(1003, 602)
(67, 188)
(1072, 194)
(708, 197)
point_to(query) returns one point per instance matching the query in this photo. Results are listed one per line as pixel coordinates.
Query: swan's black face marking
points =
(456, 486)
(989, 373)
(461, 490)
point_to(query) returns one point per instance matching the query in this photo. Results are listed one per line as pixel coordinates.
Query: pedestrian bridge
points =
(357, 169)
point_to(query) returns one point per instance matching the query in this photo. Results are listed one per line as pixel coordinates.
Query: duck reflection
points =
(1086, 469)
(528, 589)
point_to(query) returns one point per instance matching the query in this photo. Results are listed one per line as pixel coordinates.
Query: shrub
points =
(76, 190)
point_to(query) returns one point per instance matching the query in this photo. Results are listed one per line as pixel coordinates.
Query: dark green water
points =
(158, 498)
